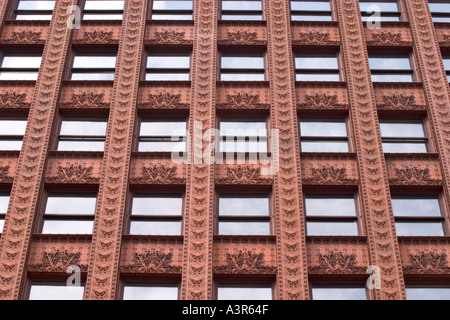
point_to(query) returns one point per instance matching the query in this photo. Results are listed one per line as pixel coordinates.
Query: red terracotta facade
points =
(291, 260)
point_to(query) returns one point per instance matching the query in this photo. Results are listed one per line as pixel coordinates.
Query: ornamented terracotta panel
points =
(14, 98)
(243, 97)
(25, 33)
(96, 97)
(288, 206)
(241, 175)
(8, 165)
(81, 171)
(232, 33)
(307, 34)
(29, 174)
(329, 170)
(321, 97)
(400, 97)
(102, 281)
(159, 97)
(389, 35)
(162, 33)
(420, 170)
(374, 188)
(97, 33)
(161, 171)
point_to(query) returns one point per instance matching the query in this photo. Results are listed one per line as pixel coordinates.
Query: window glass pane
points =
(241, 5)
(171, 228)
(243, 146)
(163, 128)
(172, 5)
(244, 293)
(437, 19)
(311, 5)
(317, 77)
(2, 224)
(332, 228)
(104, 76)
(229, 206)
(427, 293)
(19, 76)
(150, 292)
(311, 18)
(104, 5)
(330, 206)
(404, 130)
(382, 18)
(383, 6)
(316, 62)
(171, 17)
(168, 62)
(447, 64)
(82, 204)
(323, 128)
(244, 62)
(151, 76)
(242, 77)
(56, 292)
(4, 202)
(389, 63)
(12, 127)
(89, 16)
(84, 127)
(339, 293)
(410, 207)
(392, 78)
(419, 229)
(405, 147)
(81, 146)
(36, 5)
(11, 145)
(33, 17)
(94, 62)
(440, 7)
(244, 228)
(241, 17)
(21, 61)
(324, 146)
(162, 146)
(67, 227)
(243, 128)
(157, 205)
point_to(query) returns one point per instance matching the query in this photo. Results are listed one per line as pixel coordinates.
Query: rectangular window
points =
(172, 10)
(440, 10)
(391, 68)
(446, 59)
(78, 134)
(317, 67)
(4, 202)
(323, 135)
(244, 214)
(244, 292)
(12, 131)
(338, 293)
(241, 10)
(157, 214)
(150, 292)
(103, 10)
(34, 10)
(55, 291)
(243, 135)
(168, 67)
(403, 137)
(384, 10)
(418, 216)
(93, 67)
(69, 213)
(242, 67)
(17, 66)
(162, 135)
(303, 10)
(331, 215)
(427, 292)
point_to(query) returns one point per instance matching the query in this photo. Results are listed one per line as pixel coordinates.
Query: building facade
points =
(328, 164)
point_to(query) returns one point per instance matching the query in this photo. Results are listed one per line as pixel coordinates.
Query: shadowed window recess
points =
(242, 67)
(403, 137)
(317, 135)
(317, 67)
(157, 214)
(243, 135)
(162, 135)
(69, 213)
(78, 134)
(168, 67)
(391, 68)
(88, 66)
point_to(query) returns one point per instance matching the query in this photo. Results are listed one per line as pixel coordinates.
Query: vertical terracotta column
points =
(435, 83)
(103, 271)
(374, 185)
(4, 6)
(27, 185)
(198, 232)
(292, 277)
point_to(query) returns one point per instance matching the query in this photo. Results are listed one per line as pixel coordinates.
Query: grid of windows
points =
(103, 10)
(20, 66)
(243, 135)
(380, 10)
(323, 135)
(317, 67)
(391, 68)
(172, 10)
(403, 136)
(241, 10)
(168, 67)
(242, 67)
(315, 10)
(34, 10)
(162, 135)
(78, 134)
(87, 66)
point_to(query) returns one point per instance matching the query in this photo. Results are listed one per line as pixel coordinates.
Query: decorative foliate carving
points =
(321, 101)
(329, 175)
(400, 102)
(4, 174)
(74, 174)
(411, 175)
(164, 100)
(243, 101)
(97, 37)
(159, 174)
(314, 38)
(387, 38)
(13, 100)
(171, 37)
(26, 36)
(58, 261)
(243, 38)
(337, 263)
(86, 100)
(428, 263)
(244, 175)
(152, 261)
(245, 262)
